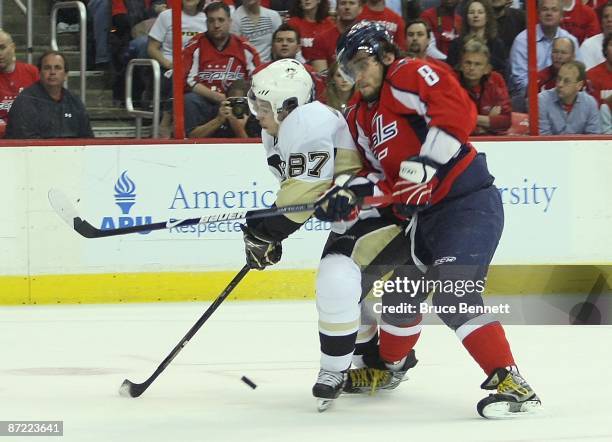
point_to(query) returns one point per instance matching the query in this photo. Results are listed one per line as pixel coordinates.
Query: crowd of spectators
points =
(484, 42)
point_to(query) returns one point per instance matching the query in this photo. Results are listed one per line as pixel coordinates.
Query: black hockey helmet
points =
(365, 36)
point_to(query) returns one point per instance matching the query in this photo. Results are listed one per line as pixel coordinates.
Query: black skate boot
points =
(378, 375)
(514, 396)
(328, 387)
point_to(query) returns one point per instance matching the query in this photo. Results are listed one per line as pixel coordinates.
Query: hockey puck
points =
(249, 382)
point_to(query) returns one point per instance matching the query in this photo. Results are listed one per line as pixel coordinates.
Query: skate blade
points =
(512, 410)
(323, 404)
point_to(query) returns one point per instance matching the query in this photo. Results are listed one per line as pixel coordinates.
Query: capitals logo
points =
(383, 132)
(125, 198)
(226, 74)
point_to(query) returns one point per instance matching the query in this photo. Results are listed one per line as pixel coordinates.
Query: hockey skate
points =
(328, 387)
(377, 375)
(514, 396)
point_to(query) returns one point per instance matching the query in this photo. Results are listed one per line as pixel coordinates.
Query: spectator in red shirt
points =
(596, 5)
(212, 61)
(579, 20)
(444, 22)
(563, 51)
(324, 49)
(310, 18)
(375, 11)
(486, 88)
(600, 77)
(15, 76)
(478, 21)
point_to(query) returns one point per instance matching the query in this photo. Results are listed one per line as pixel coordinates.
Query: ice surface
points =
(67, 363)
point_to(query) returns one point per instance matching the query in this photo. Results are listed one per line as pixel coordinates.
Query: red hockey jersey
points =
(492, 92)
(581, 21)
(599, 81)
(218, 69)
(422, 111)
(324, 46)
(309, 31)
(11, 84)
(445, 28)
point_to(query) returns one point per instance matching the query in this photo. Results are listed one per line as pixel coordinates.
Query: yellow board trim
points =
(14, 290)
(266, 285)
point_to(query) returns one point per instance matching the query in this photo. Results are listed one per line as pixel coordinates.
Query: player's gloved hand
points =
(261, 251)
(339, 203)
(413, 189)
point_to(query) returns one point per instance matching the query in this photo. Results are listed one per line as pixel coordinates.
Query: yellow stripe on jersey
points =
(295, 191)
(370, 245)
(347, 161)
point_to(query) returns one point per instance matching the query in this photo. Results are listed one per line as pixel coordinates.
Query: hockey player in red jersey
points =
(411, 124)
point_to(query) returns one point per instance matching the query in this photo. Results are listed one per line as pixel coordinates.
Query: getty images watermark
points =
(409, 294)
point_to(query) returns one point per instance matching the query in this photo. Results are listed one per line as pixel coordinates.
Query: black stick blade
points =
(129, 389)
(83, 228)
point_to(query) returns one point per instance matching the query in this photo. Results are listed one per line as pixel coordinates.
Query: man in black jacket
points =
(46, 109)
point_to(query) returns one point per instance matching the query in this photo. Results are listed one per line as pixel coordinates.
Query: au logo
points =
(125, 198)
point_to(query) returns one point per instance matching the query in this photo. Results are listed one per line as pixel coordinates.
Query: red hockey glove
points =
(414, 187)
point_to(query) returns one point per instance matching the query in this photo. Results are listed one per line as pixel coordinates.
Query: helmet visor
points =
(353, 68)
(252, 100)
(257, 106)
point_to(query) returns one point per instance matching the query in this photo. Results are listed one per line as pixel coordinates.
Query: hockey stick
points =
(64, 208)
(130, 389)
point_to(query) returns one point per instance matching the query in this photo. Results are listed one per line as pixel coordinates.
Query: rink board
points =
(556, 236)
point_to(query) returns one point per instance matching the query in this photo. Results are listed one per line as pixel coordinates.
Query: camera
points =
(239, 106)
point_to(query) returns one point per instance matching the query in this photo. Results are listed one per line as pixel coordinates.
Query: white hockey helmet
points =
(285, 84)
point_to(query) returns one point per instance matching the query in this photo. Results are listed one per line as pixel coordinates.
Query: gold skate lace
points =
(369, 377)
(509, 384)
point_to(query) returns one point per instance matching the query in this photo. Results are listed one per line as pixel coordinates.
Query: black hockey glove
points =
(261, 251)
(339, 203)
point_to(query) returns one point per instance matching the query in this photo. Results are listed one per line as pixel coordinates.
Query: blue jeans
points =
(100, 11)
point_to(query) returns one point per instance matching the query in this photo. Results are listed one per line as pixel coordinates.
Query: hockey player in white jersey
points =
(308, 144)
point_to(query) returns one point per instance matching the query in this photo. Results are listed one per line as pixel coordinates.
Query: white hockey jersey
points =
(313, 146)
